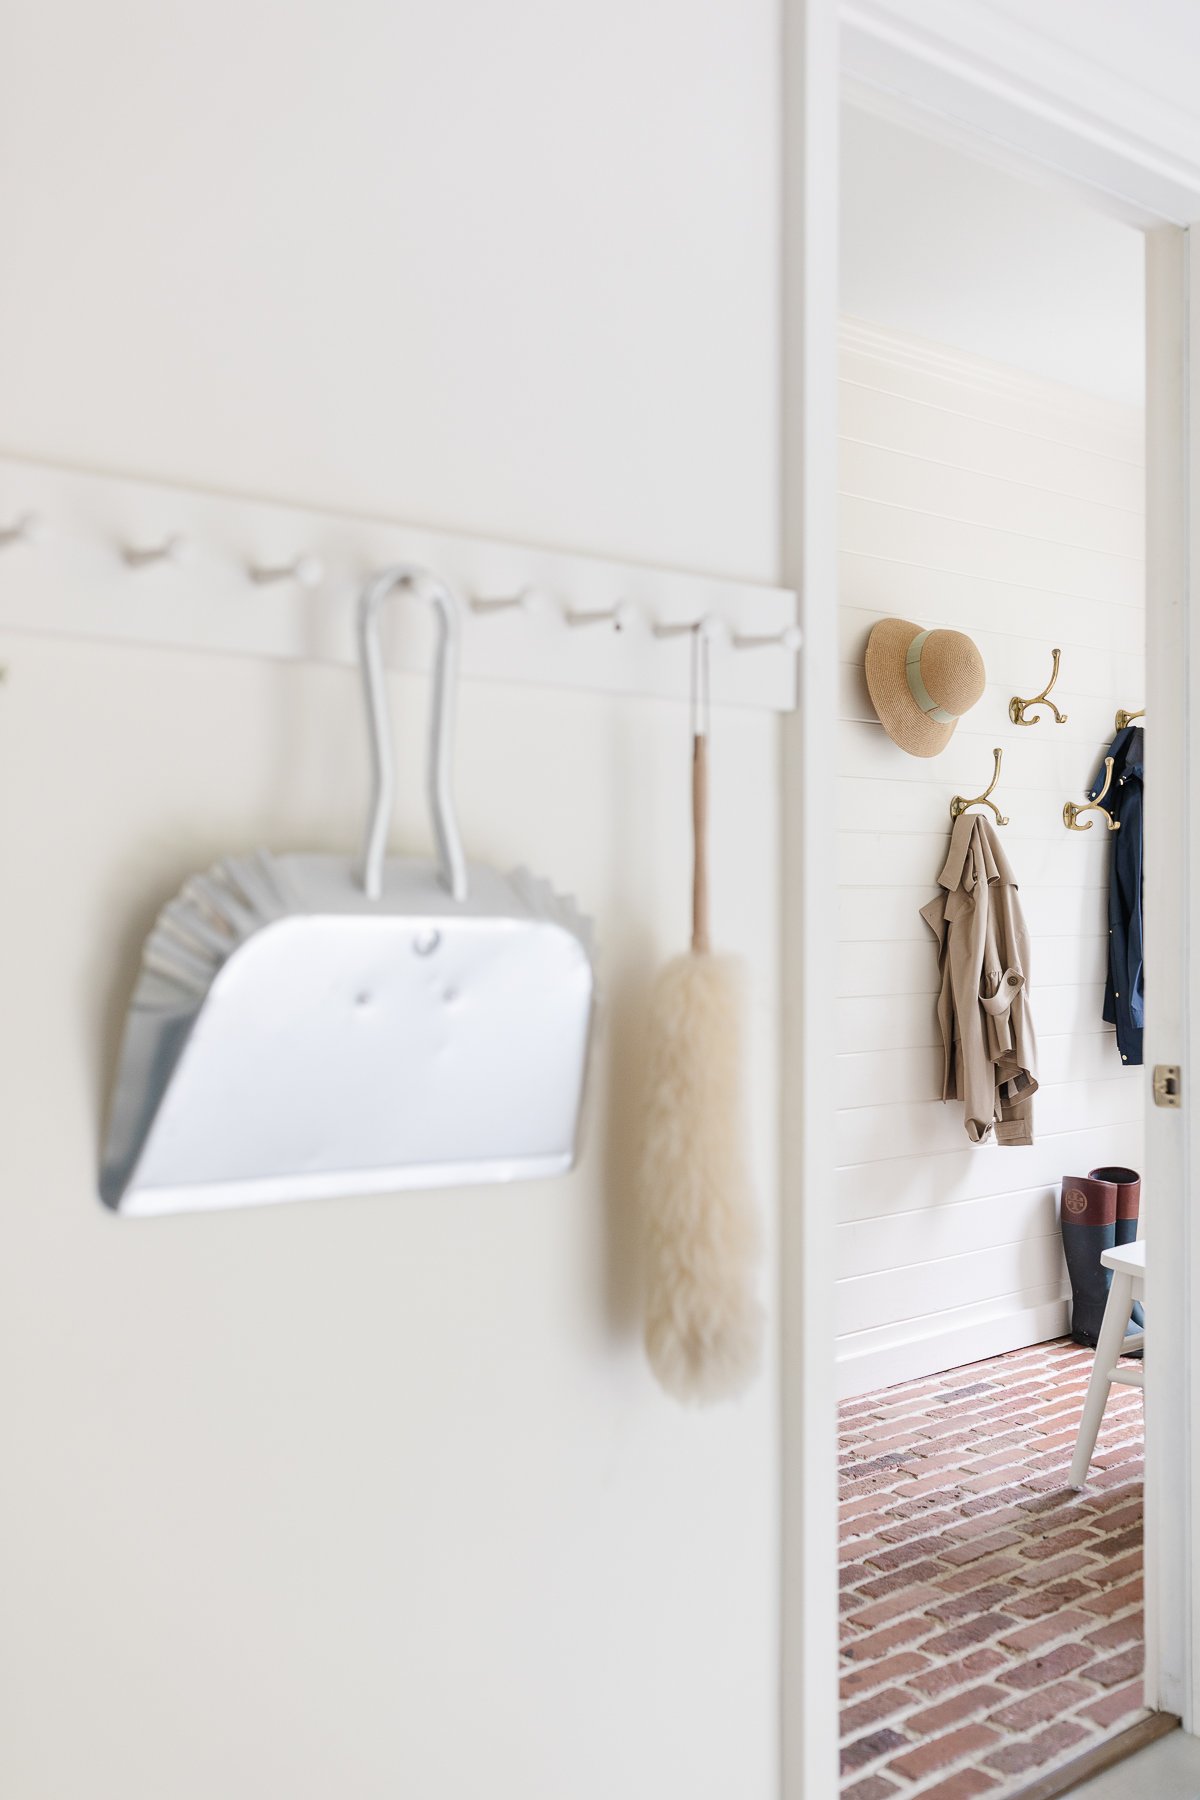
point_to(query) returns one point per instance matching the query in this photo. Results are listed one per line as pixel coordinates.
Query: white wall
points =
(1011, 509)
(377, 1497)
(947, 246)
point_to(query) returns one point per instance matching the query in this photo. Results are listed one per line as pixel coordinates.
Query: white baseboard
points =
(877, 1365)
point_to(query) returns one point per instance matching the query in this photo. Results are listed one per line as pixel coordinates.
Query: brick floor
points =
(992, 1618)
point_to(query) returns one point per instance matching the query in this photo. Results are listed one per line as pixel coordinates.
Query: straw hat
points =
(922, 682)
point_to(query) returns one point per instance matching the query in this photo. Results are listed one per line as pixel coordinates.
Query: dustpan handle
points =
(452, 867)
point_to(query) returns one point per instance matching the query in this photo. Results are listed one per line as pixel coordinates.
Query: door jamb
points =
(808, 510)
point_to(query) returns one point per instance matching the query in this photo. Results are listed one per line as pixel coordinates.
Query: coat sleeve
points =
(968, 910)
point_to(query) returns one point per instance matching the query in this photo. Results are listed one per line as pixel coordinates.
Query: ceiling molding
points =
(1019, 93)
(902, 350)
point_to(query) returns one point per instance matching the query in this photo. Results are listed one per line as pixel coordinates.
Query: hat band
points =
(917, 688)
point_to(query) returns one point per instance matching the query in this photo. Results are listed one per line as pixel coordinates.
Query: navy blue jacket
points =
(1124, 995)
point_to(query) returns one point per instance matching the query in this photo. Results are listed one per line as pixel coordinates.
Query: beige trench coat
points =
(990, 1061)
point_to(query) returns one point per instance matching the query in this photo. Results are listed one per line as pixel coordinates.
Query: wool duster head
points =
(701, 1238)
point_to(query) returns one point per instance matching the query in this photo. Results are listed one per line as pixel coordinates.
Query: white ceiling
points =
(1102, 90)
(1151, 47)
(949, 247)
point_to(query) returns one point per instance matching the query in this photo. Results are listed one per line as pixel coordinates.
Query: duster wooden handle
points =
(700, 940)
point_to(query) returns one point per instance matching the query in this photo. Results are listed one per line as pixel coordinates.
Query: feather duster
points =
(700, 1229)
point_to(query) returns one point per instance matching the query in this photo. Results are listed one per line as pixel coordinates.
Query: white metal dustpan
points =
(301, 1028)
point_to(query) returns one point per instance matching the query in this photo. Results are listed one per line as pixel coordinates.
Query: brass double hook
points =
(959, 804)
(1072, 811)
(1017, 707)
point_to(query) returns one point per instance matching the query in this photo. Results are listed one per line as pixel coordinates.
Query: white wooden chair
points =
(1128, 1265)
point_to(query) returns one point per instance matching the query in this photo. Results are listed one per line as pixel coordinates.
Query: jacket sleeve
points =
(968, 909)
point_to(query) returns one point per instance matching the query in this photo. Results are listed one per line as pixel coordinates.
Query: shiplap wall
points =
(1012, 509)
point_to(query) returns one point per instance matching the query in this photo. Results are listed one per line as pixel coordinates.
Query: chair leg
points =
(1108, 1349)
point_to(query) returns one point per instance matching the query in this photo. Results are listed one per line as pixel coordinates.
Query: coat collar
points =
(974, 855)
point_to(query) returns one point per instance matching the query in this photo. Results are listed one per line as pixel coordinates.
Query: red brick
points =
(1036, 1752)
(963, 1786)
(1051, 1667)
(1111, 1480)
(1064, 1734)
(865, 1525)
(890, 1637)
(957, 1526)
(1008, 1497)
(972, 1551)
(1035, 1709)
(1115, 1600)
(853, 1509)
(873, 1675)
(978, 1525)
(887, 1557)
(1045, 1574)
(905, 1600)
(1042, 1549)
(941, 1677)
(900, 1531)
(1121, 1453)
(1119, 1668)
(1057, 1440)
(953, 1711)
(1047, 1631)
(1124, 1517)
(937, 1753)
(860, 1550)
(874, 1710)
(855, 1467)
(1118, 1492)
(915, 1575)
(972, 1631)
(866, 1750)
(965, 1606)
(1125, 1703)
(996, 1568)
(876, 1485)
(875, 1787)
(1052, 1509)
(1121, 1631)
(931, 1484)
(1040, 1601)
(1119, 1571)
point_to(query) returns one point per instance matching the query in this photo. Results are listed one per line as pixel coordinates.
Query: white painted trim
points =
(1036, 114)
(1172, 974)
(809, 559)
(76, 582)
(992, 152)
(902, 350)
(1005, 85)
(875, 1365)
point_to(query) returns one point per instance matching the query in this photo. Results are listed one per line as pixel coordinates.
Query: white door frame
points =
(808, 507)
(1172, 971)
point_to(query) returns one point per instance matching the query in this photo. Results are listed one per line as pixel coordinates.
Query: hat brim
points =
(891, 696)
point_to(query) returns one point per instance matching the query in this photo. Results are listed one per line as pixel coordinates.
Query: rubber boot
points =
(1088, 1218)
(1128, 1184)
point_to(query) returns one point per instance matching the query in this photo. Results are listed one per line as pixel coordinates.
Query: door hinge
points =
(1168, 1084)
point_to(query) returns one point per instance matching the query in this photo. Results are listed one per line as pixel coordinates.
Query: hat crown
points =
(952, 671)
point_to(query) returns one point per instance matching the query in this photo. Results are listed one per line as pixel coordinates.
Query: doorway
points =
(992, 433)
